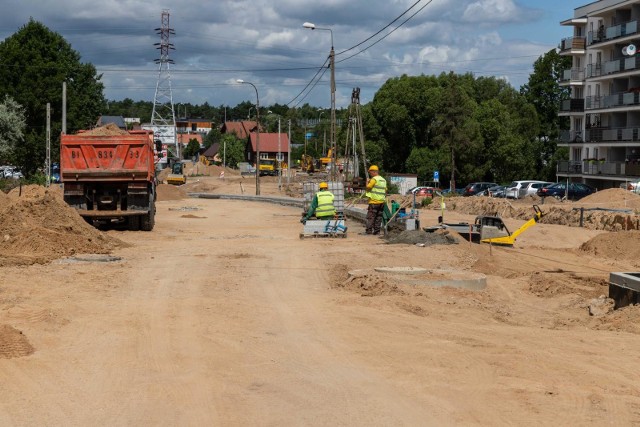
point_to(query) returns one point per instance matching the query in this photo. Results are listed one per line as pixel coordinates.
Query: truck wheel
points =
(149, 220)
(133, 223)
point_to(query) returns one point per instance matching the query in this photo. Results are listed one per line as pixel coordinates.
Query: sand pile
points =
(170, 192)
(38, 227)
(620, 246)
(595, 215)
(106, 130)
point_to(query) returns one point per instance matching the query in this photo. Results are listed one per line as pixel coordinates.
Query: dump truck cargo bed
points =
(110, 177)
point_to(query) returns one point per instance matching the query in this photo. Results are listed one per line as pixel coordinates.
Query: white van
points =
(513, 189)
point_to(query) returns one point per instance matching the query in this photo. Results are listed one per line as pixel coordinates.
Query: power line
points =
(382, 29)
(388, 34)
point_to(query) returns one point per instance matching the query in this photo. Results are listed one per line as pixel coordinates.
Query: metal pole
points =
(279, 158)
(257, 140)
(289, 156)
(64, 108)
(48, 162)
(334, 169)
(257, 134)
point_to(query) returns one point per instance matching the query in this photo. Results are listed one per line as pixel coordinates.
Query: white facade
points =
(604, 109)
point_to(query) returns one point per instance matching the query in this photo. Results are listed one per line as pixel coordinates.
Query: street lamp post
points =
(257, 134)
(325, 134)
(332, 64)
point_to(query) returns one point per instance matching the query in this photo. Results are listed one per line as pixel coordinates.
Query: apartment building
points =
(604, 108)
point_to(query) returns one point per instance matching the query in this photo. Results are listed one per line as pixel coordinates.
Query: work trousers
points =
(374, 217)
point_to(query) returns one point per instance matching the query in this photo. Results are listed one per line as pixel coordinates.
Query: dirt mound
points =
(594, 216)
(621, 246)
(106, 130)
(551, 284)
(170, 192)
(13, 343)
(613, 198)
(396, 233)
(38, 227)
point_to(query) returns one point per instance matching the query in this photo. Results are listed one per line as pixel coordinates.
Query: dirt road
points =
(223, 316)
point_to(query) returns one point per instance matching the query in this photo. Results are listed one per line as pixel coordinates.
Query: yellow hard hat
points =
(373, 168)
(323, 185)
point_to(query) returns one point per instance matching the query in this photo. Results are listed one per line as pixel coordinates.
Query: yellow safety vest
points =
(378, 192)
(325, 204)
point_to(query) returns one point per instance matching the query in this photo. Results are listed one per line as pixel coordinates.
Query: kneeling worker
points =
(322, 204)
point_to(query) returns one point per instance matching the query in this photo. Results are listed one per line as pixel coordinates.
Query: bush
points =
(426, 201)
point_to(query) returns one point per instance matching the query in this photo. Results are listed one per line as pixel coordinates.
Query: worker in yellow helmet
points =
(321, 205)
(376, 193)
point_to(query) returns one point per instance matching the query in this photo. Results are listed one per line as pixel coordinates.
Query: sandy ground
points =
(224, 316)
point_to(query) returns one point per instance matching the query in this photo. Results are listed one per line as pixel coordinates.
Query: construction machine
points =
(177, 175)
(327, 159)
(307, 163)
(489, 229)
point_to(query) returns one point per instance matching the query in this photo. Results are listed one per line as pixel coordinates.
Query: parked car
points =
(424, 191)
(513, 189)
(477, 187)
(11, 172)
(497, 191)
(633, 186)
(532, 188)
(574, 191)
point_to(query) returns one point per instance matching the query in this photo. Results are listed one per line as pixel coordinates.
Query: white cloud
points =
(491, 11)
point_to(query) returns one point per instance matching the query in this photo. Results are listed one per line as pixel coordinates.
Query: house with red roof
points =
(270, 143)
(273, 146)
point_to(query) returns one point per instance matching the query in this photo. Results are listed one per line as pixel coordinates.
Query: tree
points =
(192, 149)
(232, 150)
(545, 94)
(40, 61)
(12, 127)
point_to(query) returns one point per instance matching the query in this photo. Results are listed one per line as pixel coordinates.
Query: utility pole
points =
(48, 154)
(279, 158)
(334, 157)
(289, 156)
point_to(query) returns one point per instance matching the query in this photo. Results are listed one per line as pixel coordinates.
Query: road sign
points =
(436, 176)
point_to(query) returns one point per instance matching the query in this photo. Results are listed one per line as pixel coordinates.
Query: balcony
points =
(572, 105)
(617, 100)
(616, 66)
(624, 134)
(571, 137)
(611, 33)
(598, 167)
(593, 70)
(572, 75)
(572, 43)
(569, 167)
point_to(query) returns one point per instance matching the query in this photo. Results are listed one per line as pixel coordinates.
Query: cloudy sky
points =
(264, 42)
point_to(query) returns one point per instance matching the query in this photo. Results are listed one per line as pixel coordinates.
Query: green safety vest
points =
(379, 191)
(325, 204)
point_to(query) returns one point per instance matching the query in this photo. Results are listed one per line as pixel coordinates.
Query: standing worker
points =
(322, 204)
(376, 193)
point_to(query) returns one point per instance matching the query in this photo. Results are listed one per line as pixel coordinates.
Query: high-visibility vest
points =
(325, 204)
(379, 191)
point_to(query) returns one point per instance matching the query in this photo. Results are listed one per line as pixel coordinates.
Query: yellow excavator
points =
(510, 238)
(177, 175)
(489, 229)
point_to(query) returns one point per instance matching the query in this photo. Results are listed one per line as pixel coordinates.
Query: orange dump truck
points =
(110, 178)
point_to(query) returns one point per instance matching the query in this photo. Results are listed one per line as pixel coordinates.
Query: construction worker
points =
(376, 193)
(322, 204)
